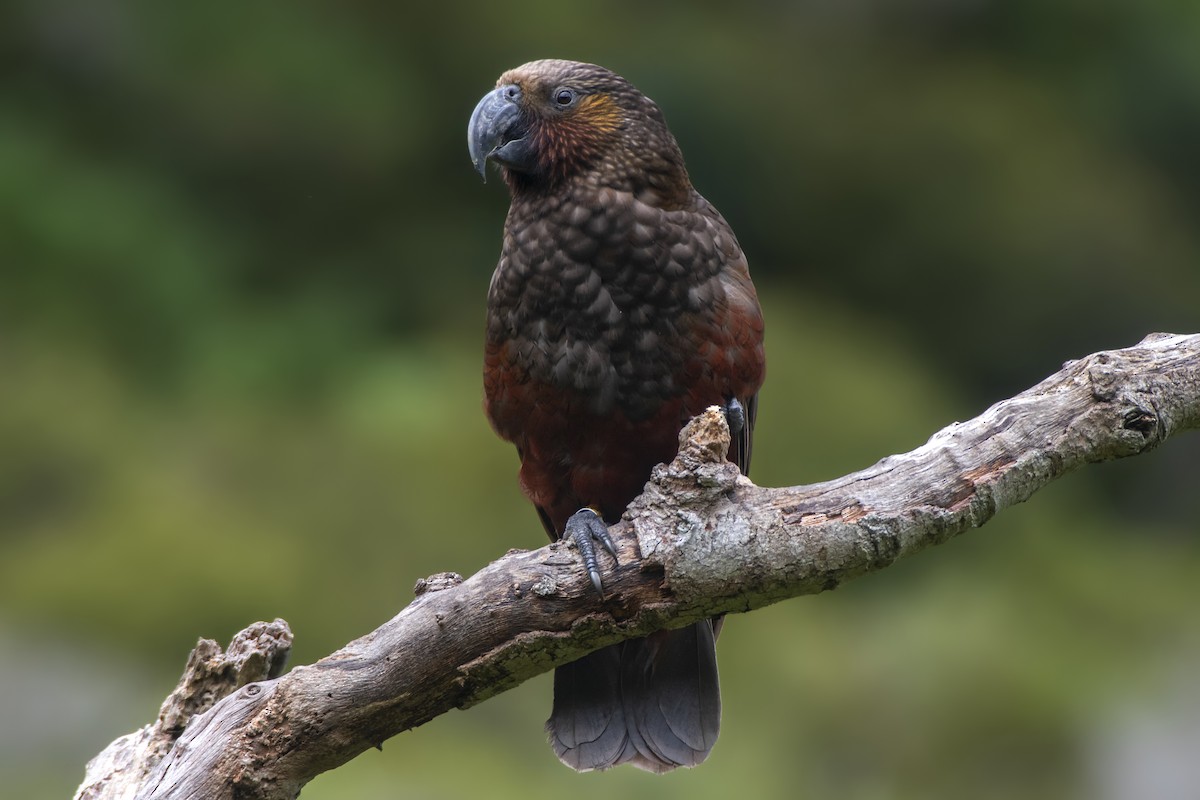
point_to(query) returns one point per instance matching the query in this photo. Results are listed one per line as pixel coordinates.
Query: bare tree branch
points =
(701, 540)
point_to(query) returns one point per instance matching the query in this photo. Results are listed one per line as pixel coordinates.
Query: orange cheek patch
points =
(600, 112)
(578, 136)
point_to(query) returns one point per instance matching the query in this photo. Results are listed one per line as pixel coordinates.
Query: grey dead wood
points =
(701, 540)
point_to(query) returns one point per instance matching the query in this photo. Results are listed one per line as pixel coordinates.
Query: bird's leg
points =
(735, 417)
(585, 527)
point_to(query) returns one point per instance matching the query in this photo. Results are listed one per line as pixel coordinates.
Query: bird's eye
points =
(564, 97)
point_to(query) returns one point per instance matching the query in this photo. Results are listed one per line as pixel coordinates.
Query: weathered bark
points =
(701, 540)
(257, 653)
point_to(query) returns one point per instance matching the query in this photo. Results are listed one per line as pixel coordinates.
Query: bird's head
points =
(550, 121)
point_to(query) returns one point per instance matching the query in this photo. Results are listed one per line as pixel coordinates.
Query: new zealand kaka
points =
(621, 307)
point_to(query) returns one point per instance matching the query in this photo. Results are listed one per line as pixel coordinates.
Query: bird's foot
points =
(735, 417)
(585, 528)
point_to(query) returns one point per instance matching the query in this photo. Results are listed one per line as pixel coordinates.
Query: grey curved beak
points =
(493, 125)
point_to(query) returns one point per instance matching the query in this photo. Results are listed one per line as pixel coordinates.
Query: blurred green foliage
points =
(243, 260)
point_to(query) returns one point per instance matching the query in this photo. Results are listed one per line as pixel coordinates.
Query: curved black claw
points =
(735, 416)
(585, 527)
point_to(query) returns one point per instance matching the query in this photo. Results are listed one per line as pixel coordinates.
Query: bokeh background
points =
(243, 260)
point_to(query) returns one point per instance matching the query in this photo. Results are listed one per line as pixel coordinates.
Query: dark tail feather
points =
(587, 725)
(653, 702)
(672, 696)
